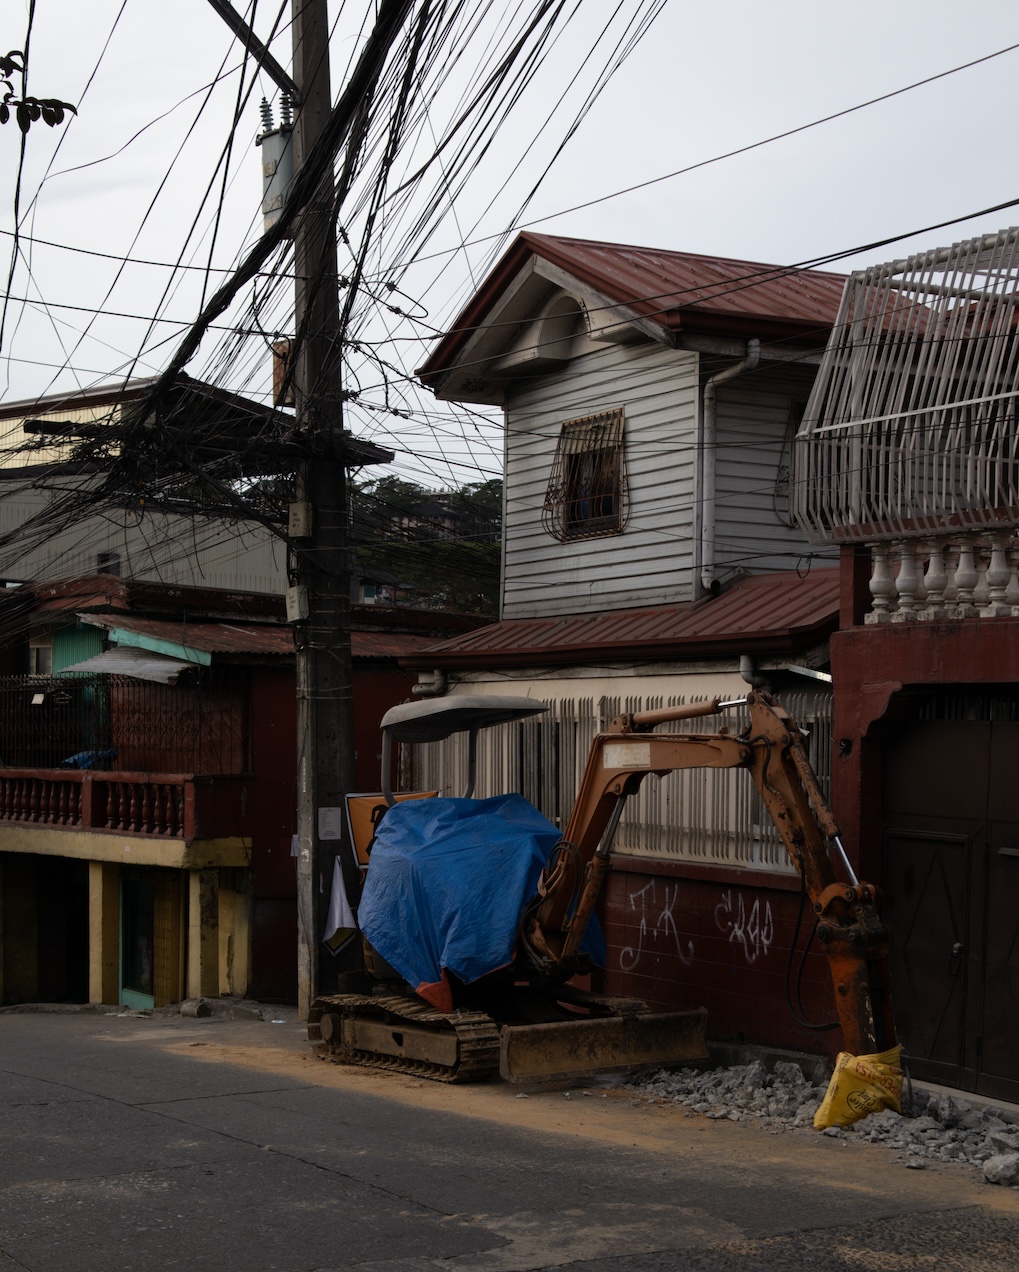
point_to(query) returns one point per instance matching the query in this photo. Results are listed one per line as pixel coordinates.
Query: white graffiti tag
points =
(753, 931)
(645, 902)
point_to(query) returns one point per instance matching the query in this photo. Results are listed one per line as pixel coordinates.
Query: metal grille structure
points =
(117, 722)
(711, 816)
(587, 494)
(911, 427)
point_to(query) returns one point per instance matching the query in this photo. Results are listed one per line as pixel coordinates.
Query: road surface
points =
(134, 1143)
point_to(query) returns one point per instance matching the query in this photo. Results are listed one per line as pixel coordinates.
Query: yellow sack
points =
(861, 1085)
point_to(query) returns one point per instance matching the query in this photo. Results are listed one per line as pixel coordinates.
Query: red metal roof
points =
(765, 612)
(254, 638)
(681, 291)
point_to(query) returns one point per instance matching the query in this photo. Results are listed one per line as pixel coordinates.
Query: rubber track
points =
(477, 1036)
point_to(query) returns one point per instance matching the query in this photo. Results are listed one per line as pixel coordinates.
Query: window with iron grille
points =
(587, 493)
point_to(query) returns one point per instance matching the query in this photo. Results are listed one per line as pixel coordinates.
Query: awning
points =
(143, 664)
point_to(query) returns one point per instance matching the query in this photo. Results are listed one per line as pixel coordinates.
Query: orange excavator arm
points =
(849, 929)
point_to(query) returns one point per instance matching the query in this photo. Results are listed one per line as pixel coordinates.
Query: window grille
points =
(913, 423)
(587, 494)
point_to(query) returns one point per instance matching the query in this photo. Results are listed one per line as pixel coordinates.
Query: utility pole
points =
(321, 573)
(324, 677)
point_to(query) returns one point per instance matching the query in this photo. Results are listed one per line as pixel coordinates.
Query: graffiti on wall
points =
(752, 930)
(657, 923)
(749, 925)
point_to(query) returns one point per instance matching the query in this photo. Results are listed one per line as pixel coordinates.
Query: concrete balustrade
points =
(969, 575)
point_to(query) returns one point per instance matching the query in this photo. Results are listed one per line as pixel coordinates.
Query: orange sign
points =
(363, 814)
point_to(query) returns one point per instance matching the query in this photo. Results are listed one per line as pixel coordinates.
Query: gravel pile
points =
(939, 1128)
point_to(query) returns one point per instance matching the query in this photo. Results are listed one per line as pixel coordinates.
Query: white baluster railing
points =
(974, 575)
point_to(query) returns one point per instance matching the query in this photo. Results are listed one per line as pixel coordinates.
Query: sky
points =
(127, 177)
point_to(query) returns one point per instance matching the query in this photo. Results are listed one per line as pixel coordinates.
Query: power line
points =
(729, 154)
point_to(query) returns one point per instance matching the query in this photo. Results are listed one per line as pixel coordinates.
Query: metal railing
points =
(912, 427)
(103, 722)
(710, 816)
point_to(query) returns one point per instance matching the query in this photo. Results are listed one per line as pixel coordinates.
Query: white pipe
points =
(709, 433)
(431, 684)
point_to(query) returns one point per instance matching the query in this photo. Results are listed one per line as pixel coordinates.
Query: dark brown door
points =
(951, 882)
(926, 885)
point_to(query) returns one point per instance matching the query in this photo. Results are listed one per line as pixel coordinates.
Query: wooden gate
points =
(951, 883)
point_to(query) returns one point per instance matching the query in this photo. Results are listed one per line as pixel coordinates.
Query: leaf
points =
(24, 116)
(5, 112)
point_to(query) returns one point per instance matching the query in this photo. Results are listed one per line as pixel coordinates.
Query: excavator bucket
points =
(609, 1044)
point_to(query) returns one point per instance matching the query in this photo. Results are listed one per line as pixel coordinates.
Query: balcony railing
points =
(945, 577)
(912, 427)
(163, 806)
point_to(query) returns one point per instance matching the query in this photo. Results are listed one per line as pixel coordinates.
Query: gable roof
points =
(764, 612)
(679, 292)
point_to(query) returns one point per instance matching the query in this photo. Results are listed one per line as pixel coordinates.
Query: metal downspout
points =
(708, 460)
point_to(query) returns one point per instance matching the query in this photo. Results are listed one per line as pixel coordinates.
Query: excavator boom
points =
(849, 929)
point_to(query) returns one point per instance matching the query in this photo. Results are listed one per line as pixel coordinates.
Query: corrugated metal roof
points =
(654, 282)
(680, 291)
(254, 638)
(774, 611)
(142, 664)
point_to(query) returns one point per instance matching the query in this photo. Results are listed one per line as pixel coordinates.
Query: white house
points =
(650, 558)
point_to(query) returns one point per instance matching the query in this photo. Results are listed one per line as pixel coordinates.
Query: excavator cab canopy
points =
(439, 718)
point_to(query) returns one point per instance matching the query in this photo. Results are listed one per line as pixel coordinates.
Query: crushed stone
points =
(936, 1128)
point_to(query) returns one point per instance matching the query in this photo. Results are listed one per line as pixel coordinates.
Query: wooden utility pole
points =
(321, 572)
(324, 679)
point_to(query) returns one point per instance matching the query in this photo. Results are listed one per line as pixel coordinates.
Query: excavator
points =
(527, 1020)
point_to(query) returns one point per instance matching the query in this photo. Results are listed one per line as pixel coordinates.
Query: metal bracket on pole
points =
(256, 48)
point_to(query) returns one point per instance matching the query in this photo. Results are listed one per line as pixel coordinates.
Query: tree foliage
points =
(27, 110)
(444, 546)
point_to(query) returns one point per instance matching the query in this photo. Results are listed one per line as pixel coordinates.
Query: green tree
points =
(444, 544)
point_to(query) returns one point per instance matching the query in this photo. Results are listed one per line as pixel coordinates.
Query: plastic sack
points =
(861, 1085)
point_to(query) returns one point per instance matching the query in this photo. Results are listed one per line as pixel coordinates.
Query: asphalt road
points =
(130, 1143)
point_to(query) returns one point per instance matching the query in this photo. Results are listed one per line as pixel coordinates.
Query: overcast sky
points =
(709, 78)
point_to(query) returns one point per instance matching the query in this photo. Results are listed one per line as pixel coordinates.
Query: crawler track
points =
(477, 1036)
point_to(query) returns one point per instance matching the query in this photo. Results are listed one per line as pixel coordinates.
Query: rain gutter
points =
(709, 449)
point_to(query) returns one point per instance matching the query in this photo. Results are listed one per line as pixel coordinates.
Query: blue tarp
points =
(447, 883)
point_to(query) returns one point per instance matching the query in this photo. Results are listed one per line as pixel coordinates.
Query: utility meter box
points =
(297, 604)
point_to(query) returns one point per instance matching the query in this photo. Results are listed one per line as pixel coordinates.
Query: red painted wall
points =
(681, 938)
(870, 665)
(375, 691)
(273, 733)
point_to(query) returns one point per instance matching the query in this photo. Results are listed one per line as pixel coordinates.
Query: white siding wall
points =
(650, 563)
(752, 520)
(159, 547)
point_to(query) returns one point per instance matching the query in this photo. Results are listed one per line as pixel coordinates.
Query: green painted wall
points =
(74, 644)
